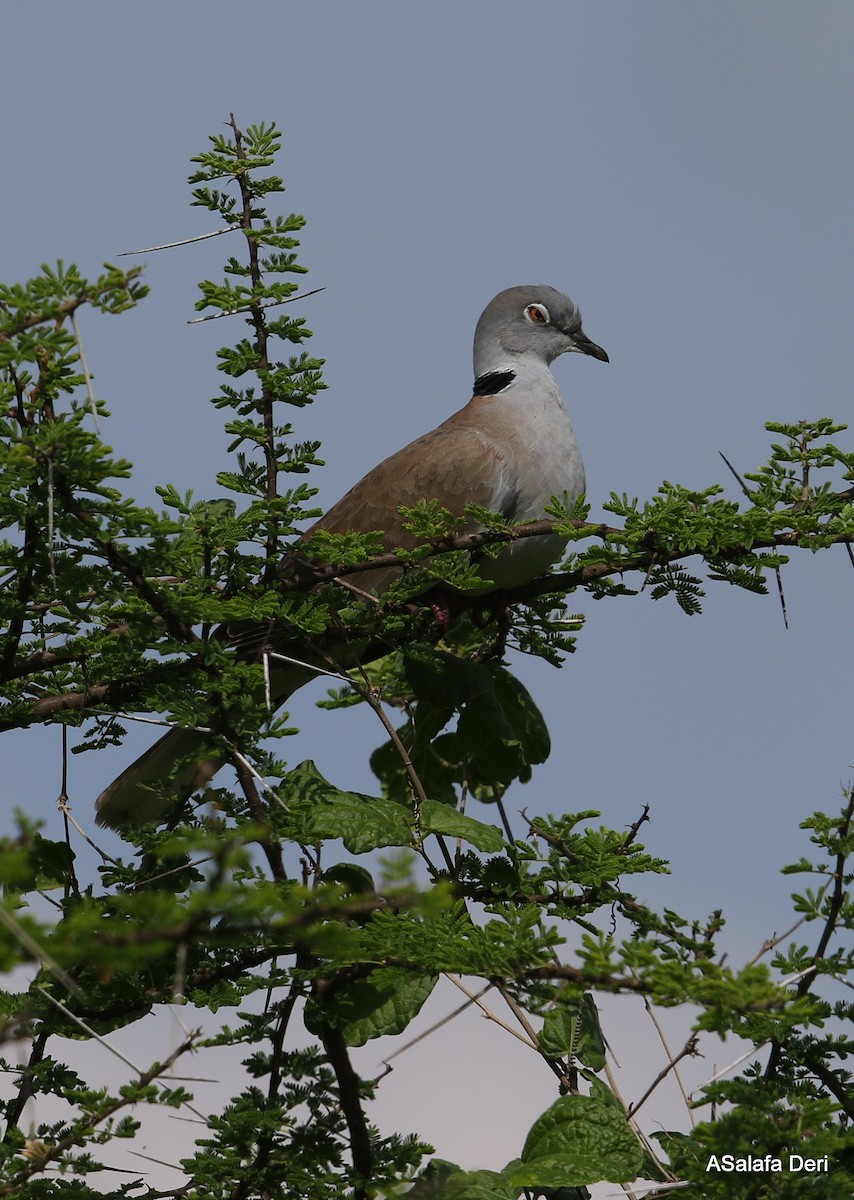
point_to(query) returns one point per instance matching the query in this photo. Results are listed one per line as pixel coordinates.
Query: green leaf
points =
(523, 715)
(316, 810)
(574, 1030)
(500, 729)
(380, 1006)
(42, 864)
(445, 1181)
(492, 749)
(578, 1141)
(443, 679)
(441, 818)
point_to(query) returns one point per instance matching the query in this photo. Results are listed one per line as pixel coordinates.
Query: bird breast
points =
(531, 431)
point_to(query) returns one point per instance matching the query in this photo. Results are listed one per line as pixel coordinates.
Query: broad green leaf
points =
(316, 810)
(524, 716)
(571, 1029)
(492, 748)
(500, 730)
(379, 1006)
(42, 863)
(578, 1141)
(433, 1180)
(445, 679)
(441, 818)
(445, 1181)
(363, 822)
(354, 879)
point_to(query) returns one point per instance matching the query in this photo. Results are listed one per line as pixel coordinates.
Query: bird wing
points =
(455, 464)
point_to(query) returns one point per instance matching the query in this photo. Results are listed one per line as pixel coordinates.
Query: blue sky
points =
(682, 171)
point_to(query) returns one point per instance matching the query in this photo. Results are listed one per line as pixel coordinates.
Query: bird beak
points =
(583, 345)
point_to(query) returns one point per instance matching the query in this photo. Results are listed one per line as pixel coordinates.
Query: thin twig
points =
(446, 1020)
(88, 1030)
(635, 827)
(419, 795)
(51, 540)
(488, 1013)
(268, 691)
(771, 942)
(690, 1048)
(244, 761)
(502, 812)
(754, 1049)
(567, 1076)
(522, 1017)
(355, 590)
(161, 1162)
(246, 775)
(194, 862)
(65, 808)
(746, 491)
(300, 662)
(639, 1133)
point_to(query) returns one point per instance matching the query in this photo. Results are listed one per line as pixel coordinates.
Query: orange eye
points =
(537, 313)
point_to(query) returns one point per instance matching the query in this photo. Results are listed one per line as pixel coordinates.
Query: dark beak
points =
(584, 345)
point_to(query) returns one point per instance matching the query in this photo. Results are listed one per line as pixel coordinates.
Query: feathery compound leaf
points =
(675, 581)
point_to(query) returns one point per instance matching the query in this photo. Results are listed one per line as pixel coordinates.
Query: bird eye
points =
(537, 314)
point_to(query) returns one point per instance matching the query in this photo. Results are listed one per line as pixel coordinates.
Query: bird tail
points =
(176, 765)
(147, 789)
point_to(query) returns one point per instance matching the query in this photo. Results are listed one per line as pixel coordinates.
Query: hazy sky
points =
(684, 172)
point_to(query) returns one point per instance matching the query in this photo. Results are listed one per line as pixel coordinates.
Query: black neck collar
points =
(493, 382)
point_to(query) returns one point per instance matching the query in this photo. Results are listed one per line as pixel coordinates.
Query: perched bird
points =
(510, 449)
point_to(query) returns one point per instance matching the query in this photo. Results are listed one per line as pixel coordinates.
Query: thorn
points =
(230, 312)
(782, 596)
(741, 482)
(184, 242)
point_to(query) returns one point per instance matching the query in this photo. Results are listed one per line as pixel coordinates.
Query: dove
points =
(510, 449)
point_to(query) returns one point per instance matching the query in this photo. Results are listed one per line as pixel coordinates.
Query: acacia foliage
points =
(246, 903)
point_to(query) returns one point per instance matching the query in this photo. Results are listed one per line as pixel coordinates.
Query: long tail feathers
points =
(147, 789)
(151, 787)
